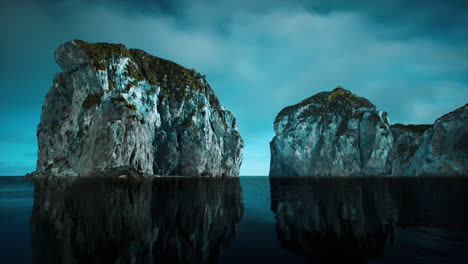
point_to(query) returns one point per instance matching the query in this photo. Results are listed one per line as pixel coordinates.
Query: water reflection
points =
(353, 219)
(163, 220)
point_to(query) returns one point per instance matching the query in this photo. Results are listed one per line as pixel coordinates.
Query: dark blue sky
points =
(410, 58)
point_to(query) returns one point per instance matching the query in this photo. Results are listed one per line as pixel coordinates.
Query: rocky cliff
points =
(331, 133)
(438, 149)
(115, 107)
(339, 133)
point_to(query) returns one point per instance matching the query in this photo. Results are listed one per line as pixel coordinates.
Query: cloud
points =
(259, 56)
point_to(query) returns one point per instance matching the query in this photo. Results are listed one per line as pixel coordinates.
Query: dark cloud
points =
(408, 57)
(427, 17)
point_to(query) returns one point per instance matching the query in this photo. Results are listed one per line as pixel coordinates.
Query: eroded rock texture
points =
(438, 149)
(341, 134)
(113, 107)
(156, 220)
(330, 133)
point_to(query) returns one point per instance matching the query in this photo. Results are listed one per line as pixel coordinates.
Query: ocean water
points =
(242, 220)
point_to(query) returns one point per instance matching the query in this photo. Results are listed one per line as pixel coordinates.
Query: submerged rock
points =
(115, 107)
(339, 133)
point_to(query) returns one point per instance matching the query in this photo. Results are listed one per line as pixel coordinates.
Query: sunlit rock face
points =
(438, 149)
(340, 134)
(113, 107)
(330, 133)
(164, 220)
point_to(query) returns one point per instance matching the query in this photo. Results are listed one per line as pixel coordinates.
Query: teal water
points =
(246, 220)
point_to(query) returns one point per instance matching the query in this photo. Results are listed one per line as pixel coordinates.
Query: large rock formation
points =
(339, 133)
(331, 133)
(114, 107)
(155, 220)
(438, 149)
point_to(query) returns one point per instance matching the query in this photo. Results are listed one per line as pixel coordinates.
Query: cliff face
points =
(443, 149)
(406, 140)
(114, 107)
(331, 133)
(338, 133)
(156, 220)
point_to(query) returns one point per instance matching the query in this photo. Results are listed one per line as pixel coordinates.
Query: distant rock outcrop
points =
(114, 107)
(438, 149)
(339, 133)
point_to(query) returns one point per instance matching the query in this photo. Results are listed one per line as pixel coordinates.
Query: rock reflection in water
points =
(337, 220)
(330, 220)
(161, 220)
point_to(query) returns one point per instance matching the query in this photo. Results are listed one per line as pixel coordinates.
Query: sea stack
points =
(114, 108)
(338, 133)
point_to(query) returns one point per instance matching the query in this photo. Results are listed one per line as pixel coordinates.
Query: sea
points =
(234, 220)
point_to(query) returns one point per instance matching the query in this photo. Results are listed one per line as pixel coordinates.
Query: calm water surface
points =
(246, 220)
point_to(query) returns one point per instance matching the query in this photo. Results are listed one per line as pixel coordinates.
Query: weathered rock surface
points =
(338, 133)
(440, 149)
(115, 107)
(331, 133)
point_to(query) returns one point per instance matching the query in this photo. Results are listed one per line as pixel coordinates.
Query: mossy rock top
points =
(146, 67)
(412, 128)
(339, 101)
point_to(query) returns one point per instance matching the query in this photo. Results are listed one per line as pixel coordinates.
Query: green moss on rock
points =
(343, 127)
(339, 101)
(91, 100)
(412, 128)
(100, 52)
(187, 123)
(175, 80)
(120, 99)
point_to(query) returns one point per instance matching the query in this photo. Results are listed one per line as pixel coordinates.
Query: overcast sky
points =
(410, 60)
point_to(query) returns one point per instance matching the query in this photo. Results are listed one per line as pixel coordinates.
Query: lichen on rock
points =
(112, 107)
(341, 134)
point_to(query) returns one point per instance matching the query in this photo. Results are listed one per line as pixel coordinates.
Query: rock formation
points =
(114, 107)
(331, 133)
(155, 220)
(339, 133)
(438, 149)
